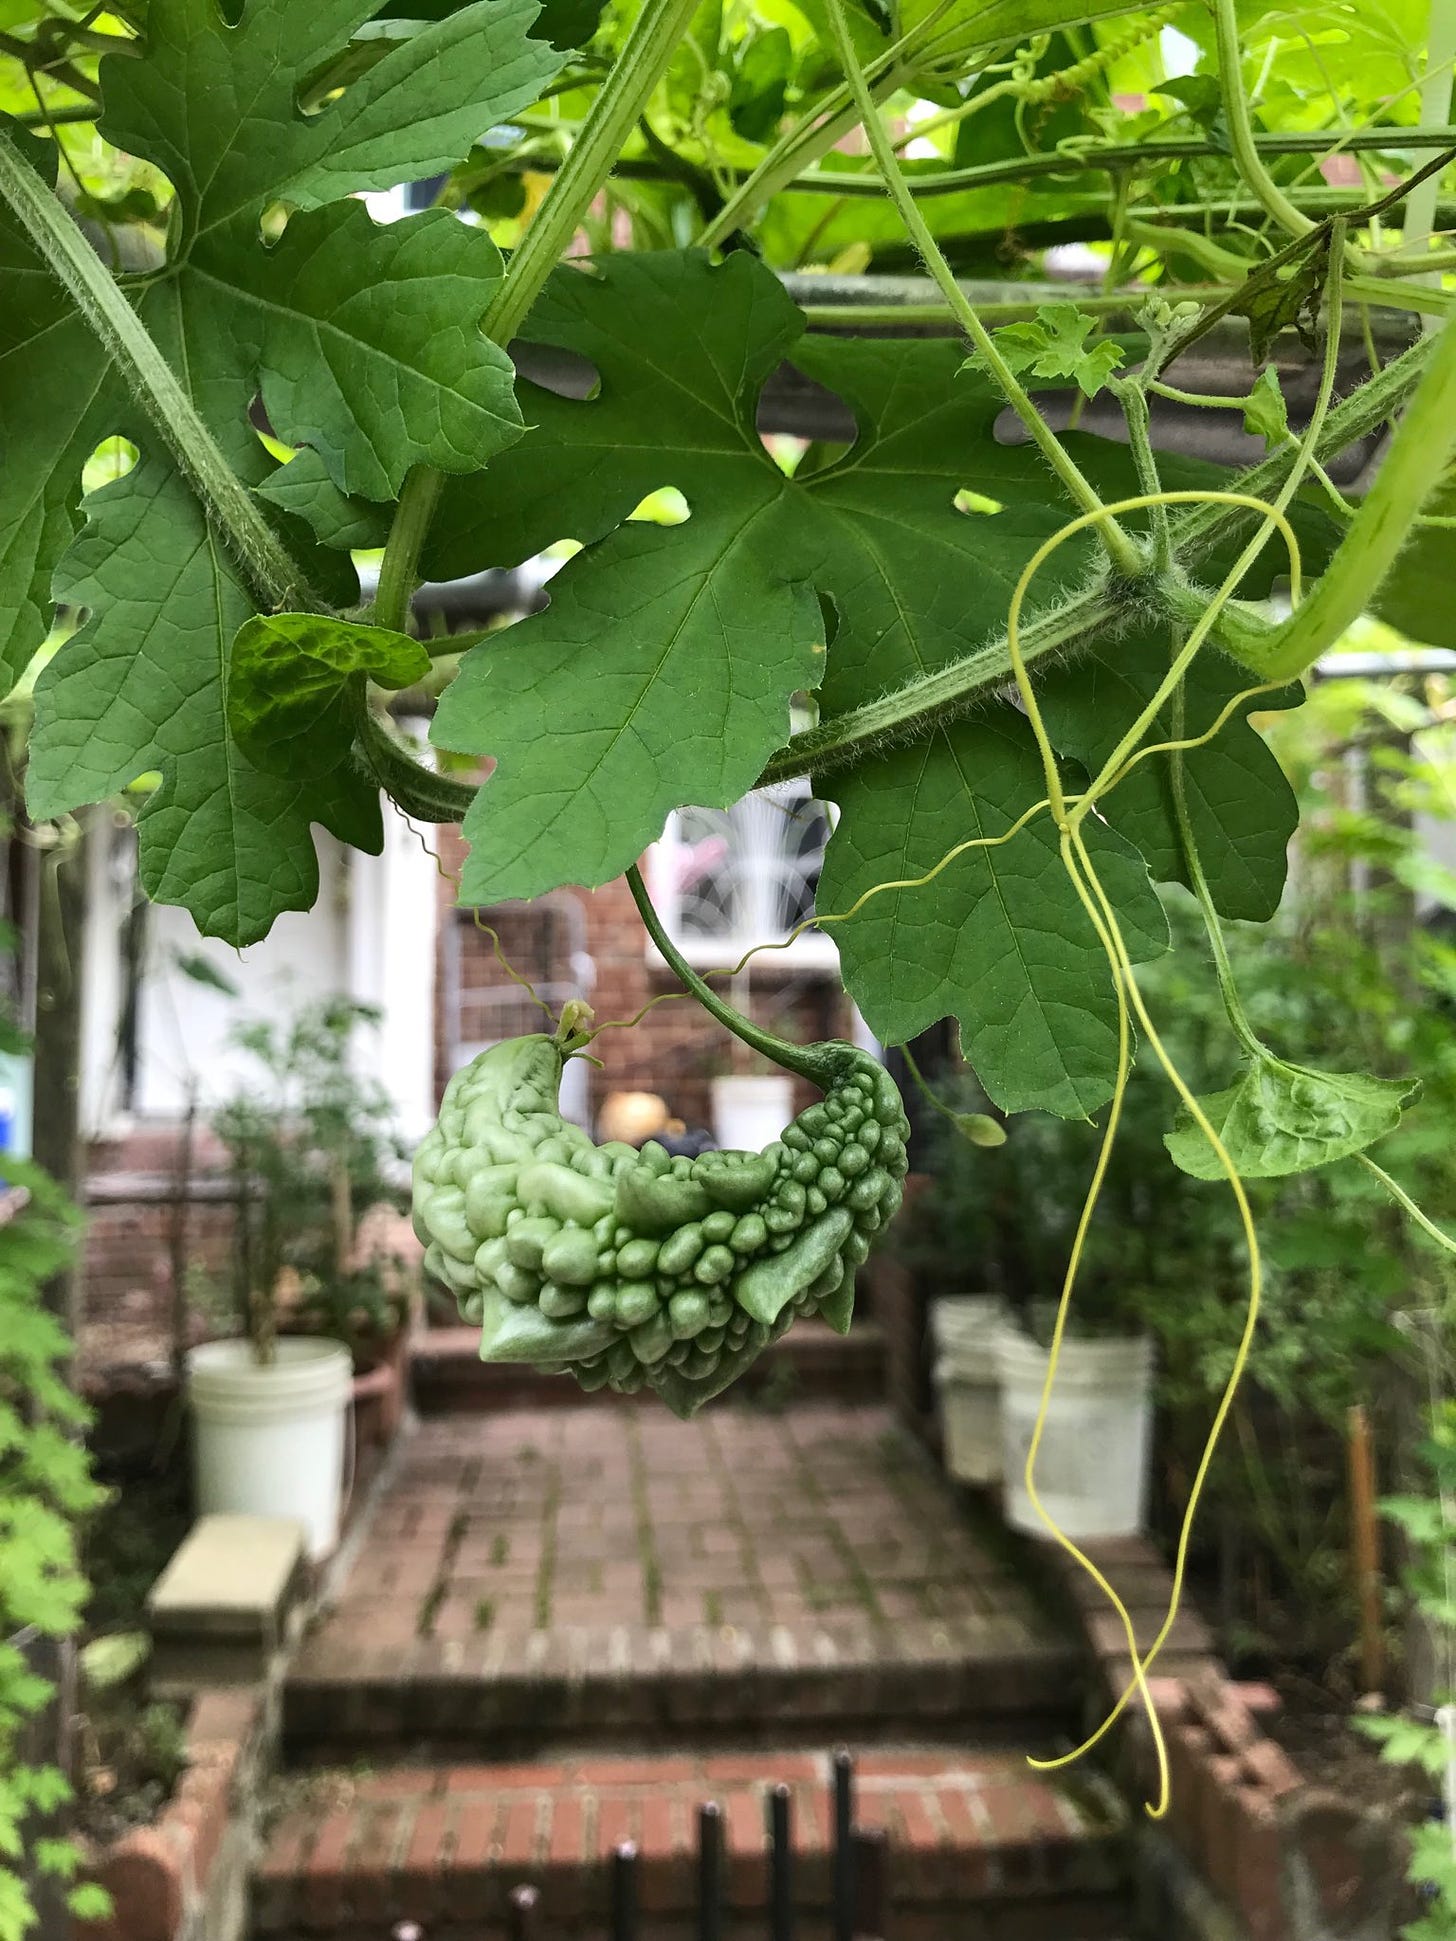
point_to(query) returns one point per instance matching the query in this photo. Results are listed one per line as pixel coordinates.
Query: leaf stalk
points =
(229, 505)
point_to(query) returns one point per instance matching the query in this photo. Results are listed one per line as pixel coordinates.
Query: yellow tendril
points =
(1128, 982)
(1069, 844)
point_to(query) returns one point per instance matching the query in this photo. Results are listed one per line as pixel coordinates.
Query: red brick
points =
(566, 1846)
(923, 1826)
(323, 1887)
(518, 1836)
(975, 1871)
(872, 1765)
(1266, 1765)
(400, 1782)
(1189, 1750)
(666, 1864)
(221, 1718)
(143, 1876)
(768, 1768)
(427, 1849)
(372, 1859)
(473, 1882)
(647, 1771)
(1256, 1887)
(617, 1821)
(504, 1779)
(1262, 1700)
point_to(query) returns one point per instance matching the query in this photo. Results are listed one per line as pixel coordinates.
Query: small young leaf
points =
(288, 686)
(1056, 345)
(1280, 1119)
(1266, 415)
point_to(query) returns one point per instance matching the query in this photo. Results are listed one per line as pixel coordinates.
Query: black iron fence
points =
(857, 1878)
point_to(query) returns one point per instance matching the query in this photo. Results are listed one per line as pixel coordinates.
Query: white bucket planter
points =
(269, 1441)
(968, 1381)
(750, 1111)
(1092, 1466)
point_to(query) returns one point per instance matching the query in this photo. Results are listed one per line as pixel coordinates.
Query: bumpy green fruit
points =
(629, 1268)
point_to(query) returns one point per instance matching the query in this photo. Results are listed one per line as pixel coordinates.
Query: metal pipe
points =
(842, 1882)
(524, 1905)
(870, 1913)
(624, 1892)
(710, 1872)
(781, 1865)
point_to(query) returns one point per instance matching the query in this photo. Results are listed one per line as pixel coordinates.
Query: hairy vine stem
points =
(1114, 157)
(1126, 557)
(1241, 129)
(229, 505)
(914, 709)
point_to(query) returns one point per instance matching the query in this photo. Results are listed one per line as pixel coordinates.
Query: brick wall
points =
(126, 1276)
(676, 1049)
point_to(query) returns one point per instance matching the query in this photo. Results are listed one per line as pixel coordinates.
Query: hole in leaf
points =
(564, 373)
(664, 507)
(112, 459)
(804, 409)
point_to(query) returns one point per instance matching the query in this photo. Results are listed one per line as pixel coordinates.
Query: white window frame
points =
(814, 952)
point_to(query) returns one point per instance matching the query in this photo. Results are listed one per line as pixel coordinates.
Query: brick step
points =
(448, 1376)
(977, 1846)
(982, 1675)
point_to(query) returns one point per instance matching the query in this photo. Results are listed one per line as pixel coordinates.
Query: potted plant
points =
(1007, 1218)
(309, 1157)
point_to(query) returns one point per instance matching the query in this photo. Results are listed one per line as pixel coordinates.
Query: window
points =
(726, 879)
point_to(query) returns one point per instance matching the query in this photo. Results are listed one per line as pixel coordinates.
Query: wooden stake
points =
(1365, 1548)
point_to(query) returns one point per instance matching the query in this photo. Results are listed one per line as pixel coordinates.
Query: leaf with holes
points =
(143, 689)
(364, 342)
(662, 671)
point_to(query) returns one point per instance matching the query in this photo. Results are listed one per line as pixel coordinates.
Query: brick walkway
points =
(565, 1628)
(589, 1569)
(977, 1848)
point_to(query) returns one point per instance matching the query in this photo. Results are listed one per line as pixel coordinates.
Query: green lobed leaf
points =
(1281, 1119)
(142, 687)
(600, 728)
(1241, 807)
(411, 115)
(365, 344)
(1000, 939)
(1055, 345)
(661, 640)
(1419, 593)
(287, 696)
(1266, 415)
